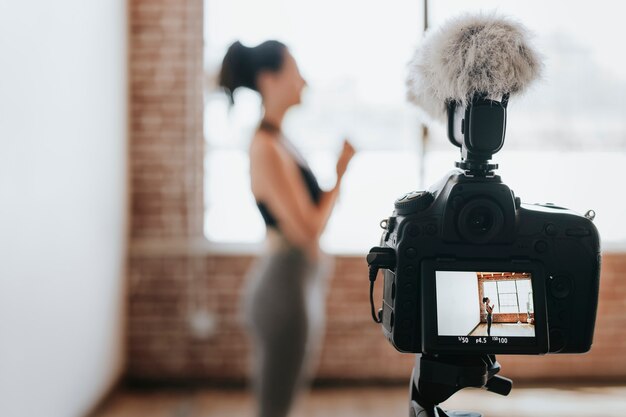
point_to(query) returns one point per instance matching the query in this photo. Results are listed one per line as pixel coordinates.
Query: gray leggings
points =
(284, 314)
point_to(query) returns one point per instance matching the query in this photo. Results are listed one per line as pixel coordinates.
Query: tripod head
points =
(478, 129)
(440, 376)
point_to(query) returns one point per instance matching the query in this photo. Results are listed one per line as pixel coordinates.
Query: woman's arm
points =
(328, 200)
(300, 218)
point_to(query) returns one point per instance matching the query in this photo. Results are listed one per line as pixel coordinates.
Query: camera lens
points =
(480, 220)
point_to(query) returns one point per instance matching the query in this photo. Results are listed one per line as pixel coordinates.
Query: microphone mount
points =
(479, 130)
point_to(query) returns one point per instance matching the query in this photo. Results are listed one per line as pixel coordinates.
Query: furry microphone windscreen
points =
(471, 54)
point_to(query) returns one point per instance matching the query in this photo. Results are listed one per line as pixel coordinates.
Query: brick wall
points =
(507, 317)
(166, 44)
(162, 345)
(174, 277)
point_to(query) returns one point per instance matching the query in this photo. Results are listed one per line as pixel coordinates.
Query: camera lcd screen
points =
(494, 308)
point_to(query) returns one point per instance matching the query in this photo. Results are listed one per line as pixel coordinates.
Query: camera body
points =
(543, 257)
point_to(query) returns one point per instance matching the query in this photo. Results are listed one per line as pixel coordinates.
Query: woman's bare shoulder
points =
(267, 153)
(264, 145)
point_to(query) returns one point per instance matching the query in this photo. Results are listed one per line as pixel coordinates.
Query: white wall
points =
(458, 310)
(63, 203)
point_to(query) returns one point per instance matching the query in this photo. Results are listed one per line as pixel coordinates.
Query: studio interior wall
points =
(63, 204)
(458, 310)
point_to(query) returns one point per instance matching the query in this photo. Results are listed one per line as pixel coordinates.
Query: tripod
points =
(441, 376)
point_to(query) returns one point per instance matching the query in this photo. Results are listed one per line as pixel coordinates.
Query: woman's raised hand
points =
(344, 159)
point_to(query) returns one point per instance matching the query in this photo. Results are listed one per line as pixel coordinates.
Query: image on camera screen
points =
(485, 304)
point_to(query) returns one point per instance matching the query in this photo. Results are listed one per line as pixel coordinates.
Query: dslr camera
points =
(469, 268)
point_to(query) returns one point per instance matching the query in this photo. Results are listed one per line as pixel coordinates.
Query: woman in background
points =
(284, 297)
(489, 309)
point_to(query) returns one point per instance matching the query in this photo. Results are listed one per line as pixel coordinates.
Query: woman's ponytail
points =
(236, 69)
(242, 64)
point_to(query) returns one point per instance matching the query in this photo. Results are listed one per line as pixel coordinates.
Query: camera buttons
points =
(411, 253)
(409, 271)
(560, 287)
(541, 246)
(551, 229)
(414, 202)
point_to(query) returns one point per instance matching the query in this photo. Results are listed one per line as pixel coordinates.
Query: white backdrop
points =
(63, 204)
(458, 311)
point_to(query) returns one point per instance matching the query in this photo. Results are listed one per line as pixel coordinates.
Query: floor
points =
(505, 329)
(372, 402)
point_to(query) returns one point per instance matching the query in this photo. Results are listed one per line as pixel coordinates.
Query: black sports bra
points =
(313, 187)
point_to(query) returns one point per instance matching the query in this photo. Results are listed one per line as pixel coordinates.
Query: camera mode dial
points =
(413, 202)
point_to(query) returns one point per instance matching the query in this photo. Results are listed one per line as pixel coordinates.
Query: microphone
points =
(471, 55)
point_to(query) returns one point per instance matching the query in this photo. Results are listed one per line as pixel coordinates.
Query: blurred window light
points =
(566, 137)
(353, 55)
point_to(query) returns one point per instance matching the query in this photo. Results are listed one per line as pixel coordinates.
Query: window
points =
(510, 296)
(353, 55)
(566, 138)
